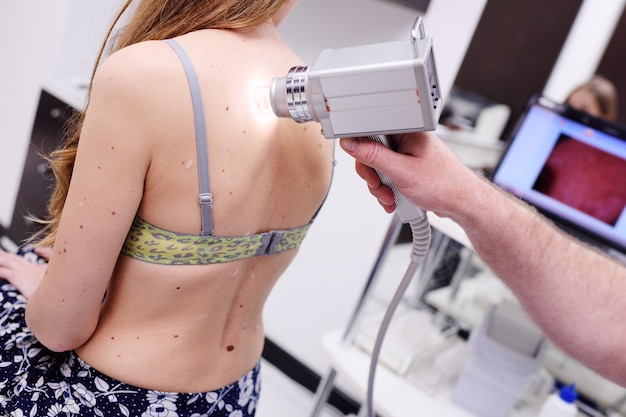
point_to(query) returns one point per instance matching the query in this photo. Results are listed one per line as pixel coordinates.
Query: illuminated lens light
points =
(288, 95)
(262, 98)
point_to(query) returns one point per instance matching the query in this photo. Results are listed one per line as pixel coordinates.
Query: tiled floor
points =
(282, 397)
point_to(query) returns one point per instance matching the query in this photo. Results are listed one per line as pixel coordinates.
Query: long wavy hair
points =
(148, 20)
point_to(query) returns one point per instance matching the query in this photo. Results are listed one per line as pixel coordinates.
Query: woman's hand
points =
(22, 273)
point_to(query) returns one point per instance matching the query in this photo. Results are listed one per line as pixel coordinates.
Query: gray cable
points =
(420, 229)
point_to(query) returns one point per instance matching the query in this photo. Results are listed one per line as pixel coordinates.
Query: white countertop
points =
(394, 396)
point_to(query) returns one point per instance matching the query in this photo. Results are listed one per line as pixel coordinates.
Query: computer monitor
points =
(572, 168)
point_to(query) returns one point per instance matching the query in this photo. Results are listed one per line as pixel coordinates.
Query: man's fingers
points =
(379, 190)
(368, 174)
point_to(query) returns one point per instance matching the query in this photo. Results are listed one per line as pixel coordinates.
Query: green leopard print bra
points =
(153, 244)
(149, 243)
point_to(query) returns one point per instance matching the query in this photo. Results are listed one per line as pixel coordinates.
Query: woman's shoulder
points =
(136, 62)
(138, 76)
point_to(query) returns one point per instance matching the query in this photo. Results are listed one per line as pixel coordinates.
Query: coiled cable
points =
(420, 230)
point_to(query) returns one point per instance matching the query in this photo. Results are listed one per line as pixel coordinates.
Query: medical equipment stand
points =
(438, 244)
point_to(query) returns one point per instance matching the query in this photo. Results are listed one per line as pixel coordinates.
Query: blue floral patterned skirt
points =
(37, 382)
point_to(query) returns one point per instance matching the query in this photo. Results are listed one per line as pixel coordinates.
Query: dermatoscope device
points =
(365, 90)
(371, 91)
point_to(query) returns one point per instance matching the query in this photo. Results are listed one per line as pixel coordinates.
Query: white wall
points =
(452, 25)
(584, 48)
(90, 19)
(318, 24)
(42, 40)
(31, 36)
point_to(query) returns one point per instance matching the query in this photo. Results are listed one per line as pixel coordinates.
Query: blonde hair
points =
(150, 20)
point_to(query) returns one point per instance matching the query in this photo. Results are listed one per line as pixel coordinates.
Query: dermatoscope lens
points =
(288, 95)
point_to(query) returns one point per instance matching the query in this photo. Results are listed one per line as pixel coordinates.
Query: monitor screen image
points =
(572, 167)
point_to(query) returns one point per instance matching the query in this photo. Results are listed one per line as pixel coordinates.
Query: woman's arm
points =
(105, 192)
(574, 293)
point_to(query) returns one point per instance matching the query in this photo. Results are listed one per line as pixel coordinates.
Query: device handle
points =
(407, 211)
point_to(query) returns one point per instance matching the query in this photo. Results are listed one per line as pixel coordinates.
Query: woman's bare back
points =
(196, 328)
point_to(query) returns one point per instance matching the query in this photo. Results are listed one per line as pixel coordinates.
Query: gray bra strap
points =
(206, 198)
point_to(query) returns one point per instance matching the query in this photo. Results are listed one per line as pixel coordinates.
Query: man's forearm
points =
(574, 293)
